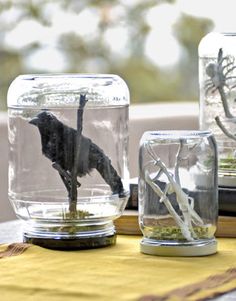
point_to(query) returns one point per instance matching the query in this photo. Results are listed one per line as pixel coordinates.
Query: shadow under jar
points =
(68, 171)
(178, 199)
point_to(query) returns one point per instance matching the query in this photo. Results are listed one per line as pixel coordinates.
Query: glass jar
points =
(178, 205)
(68, 169)
(217, 80)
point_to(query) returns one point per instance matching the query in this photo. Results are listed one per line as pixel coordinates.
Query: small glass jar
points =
(217, 80)
(68, 167)
(178, 199)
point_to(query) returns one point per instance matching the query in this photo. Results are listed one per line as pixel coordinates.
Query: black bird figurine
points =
(72, 154)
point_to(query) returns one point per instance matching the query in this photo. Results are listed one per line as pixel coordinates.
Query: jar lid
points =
(64, 90)
(162, 249)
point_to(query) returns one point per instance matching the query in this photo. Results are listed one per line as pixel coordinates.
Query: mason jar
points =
(68, 167)
(217, 81)
(178, 199)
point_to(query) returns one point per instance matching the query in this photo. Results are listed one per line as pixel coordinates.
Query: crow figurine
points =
(72, 153)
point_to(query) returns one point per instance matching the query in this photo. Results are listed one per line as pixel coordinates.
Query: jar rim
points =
(229, 33)
(54, 90)
(66, 75)
(177, 134)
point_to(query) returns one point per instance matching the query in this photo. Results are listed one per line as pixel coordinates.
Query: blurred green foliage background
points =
(97, 50)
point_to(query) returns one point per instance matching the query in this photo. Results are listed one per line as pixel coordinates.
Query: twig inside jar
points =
(185, 203)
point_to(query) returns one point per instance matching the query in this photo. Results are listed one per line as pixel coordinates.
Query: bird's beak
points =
(34, 121)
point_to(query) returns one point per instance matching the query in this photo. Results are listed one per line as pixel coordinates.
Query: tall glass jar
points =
(217, 79)
(68, 167)
(178, 199)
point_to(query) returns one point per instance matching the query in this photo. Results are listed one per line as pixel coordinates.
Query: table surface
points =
(12, 232)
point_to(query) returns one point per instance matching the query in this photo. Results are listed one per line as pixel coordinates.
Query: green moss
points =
(227, 163)
(174, 232)
(79, 214)
(71, 223)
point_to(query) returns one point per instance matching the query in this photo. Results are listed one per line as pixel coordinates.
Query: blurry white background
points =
(153, 42)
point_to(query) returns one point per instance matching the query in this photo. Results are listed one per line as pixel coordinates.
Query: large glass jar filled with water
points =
(217, 78)
(68, 171)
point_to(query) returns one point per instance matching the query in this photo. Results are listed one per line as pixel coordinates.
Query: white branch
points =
(163, 198)
(185, 203)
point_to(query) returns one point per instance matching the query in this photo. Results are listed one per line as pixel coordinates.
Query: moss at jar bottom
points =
(79, 214)
(72, 223)
(72, 228)
(227, 163)
(68, 232)
(174, 232)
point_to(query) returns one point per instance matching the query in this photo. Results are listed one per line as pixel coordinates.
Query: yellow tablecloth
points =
(119, 272)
